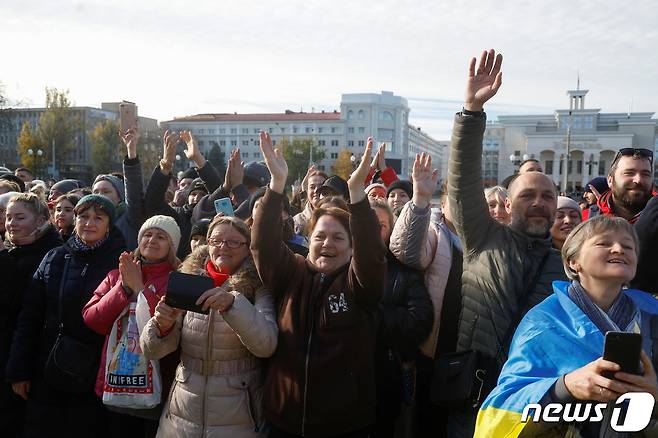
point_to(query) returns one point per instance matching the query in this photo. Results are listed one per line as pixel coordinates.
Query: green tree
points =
(216, 157)
(149, 148)
(297, 156)
(4, 112)
(58, 125)
(106, 147)
(343, 166)
(28, 140)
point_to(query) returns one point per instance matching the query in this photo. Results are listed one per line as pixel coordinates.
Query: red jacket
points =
(604, 207)
(110, 299)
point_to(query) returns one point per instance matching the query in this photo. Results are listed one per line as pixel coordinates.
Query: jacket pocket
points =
(181, 397)
(251, 396)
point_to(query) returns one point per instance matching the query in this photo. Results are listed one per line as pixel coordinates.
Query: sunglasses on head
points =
(634, 152)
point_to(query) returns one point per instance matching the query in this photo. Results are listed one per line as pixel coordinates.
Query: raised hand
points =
(131, 273)
(275, 163)
(483, 84)
(424, 179)
(170, 140)
(21, 389)
(379, 160)
(358, 178)
(130, 138)
(217, 298)
(310, 170)
(237, 169)
(192, 152)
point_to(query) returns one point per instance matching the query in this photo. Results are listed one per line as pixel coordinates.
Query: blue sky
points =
(179, 57)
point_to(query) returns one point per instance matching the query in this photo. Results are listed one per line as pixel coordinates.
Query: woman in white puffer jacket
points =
(218, 387)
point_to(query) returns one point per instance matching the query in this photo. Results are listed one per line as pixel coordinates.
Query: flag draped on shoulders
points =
(553, 339)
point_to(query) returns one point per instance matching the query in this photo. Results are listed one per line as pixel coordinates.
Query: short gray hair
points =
(497, 192)
(585, 230)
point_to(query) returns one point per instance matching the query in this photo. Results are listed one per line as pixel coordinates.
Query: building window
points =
(234, 130)
(321, 168)
(350, 143)
(256, 131)
(222, 130)
(601, 167)
(362, 115)
(548, 167)
(321, 143)
(579, 166)
(256, 154)
(201, 143)
(282, 130)
(211, 131)
(350, 130)
(245, 142)
(334, 155)
(350, 115)
(320, 130)
(308, 130)
(362, 143)
(245, 155)
(362, 130)
(334, 142)
(333, 130)
(234, 142)
(222, 142)
(385, 116)
(199, 131)
(294, 130)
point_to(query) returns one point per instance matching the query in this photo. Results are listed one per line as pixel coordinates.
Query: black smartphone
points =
(623, 349)
(184, 289)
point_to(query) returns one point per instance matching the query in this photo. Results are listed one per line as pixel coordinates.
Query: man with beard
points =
(506, 269)
(630, 180)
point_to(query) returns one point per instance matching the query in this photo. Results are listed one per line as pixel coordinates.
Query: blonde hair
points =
(585, 230)
(383, 205)
(497, 192)
(33, 203)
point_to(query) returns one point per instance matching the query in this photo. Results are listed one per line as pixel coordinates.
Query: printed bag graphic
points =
(131, 380)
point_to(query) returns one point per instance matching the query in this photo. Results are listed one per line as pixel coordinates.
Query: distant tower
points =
(577, 99)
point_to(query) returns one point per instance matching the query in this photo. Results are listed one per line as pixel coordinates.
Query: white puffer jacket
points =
(218, 387)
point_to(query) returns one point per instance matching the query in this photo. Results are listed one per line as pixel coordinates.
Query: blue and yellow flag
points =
(554, 338)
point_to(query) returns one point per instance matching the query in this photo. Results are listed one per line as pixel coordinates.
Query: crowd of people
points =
(354, 308)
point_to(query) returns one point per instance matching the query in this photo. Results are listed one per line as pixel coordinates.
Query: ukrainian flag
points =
(553, 339)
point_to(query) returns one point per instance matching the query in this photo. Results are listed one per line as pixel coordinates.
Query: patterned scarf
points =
(623, 315)
(77, 245)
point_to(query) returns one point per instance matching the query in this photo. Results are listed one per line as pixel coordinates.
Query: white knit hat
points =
(164, 223)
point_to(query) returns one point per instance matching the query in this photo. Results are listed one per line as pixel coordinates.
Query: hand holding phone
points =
(224, 206)
(183, 290)
(623, 349)
(127, 116)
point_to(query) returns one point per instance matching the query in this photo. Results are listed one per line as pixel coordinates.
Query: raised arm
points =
(274, 261)
(206, 170)
(411, 240)
(133, 179)
(157, 186)
(368, 265)
(465, 186)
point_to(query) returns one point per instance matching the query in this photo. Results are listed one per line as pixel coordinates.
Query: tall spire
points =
(578, 82)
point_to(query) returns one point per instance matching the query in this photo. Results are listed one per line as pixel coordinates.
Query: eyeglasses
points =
(633, 152)
(232, 244)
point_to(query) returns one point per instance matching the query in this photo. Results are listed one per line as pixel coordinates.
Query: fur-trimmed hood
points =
(245, 279)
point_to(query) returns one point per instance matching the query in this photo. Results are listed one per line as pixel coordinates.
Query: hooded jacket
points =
(218, 389)
(320, 381)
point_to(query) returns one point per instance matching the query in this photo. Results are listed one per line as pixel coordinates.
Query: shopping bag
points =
(131, 380)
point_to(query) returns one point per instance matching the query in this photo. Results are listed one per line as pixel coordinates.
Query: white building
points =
(385, 117)
(594, 138)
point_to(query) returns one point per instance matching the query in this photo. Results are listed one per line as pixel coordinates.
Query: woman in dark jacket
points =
(320, 381)
(63, 217)
(29, 237)
(405, 319)
(73, 271)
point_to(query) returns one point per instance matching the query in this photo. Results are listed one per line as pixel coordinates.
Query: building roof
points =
(288, 116)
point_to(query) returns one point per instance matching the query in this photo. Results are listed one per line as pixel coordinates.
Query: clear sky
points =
(178, 57)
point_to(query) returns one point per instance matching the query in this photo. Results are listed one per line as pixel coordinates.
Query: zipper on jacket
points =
(206, 366)
(308, 355)
(84, 270)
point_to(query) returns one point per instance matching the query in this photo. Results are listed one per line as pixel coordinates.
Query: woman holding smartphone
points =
(556, 353)
(218, 389)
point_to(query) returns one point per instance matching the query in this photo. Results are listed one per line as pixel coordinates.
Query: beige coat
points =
(419, 243)
(218, 390)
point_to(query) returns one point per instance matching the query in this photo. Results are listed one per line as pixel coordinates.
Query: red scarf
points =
(217, 277)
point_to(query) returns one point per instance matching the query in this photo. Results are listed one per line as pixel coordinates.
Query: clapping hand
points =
(275, 162)
(483, 84)
(379, 160)
(170, 140)
(130, 138)
(424, 179)
(358, 177)
(131, 273)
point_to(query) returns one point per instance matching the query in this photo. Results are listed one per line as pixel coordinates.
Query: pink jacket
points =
(110, 299)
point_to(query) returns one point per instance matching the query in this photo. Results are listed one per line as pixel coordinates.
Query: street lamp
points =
(516, 160)
(35, 161)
